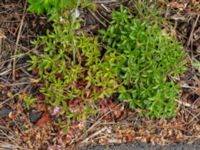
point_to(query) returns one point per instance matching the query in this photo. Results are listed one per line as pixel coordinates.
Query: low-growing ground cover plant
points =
(138, 63)
(73, 74)
(54, 8)
(147, 58)
(40, 126)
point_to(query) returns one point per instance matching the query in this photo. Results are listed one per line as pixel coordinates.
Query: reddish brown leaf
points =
(40, 96)
(43, 120)
(111, 104)
(35, 71)
(198, 91)
(2, 87)
(130, 138)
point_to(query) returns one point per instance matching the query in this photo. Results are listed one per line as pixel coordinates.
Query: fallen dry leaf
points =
(43, 120)
(198, 91)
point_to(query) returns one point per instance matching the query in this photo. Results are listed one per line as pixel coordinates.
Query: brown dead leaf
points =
(130, 138)
(118, 112)
(43, 120)
(40, 96)
(198, 91)
(176, 5)
(35, 71)
(3, 88)
(41, 107)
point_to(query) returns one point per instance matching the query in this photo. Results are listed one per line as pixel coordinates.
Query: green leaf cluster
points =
(55, 8)
(196, 64)
(73, 72)
(147, 58)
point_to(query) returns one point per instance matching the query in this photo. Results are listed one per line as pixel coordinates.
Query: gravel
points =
(145, 146)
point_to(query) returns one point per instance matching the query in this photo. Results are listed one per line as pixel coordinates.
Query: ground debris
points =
(115, 123)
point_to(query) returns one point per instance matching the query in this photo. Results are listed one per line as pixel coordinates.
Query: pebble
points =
(35, 115)
(4, 111)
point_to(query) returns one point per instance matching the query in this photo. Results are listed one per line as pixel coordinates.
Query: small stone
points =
(35, 115)
(4, 112)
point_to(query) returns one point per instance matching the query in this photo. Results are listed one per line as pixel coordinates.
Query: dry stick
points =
(12, 57)
(190, 112)
(17, 42)
(99, 20)
(13, 96)
(4, 134)
(19, 55)
(104, 7)
(187, 104)
(190, 40)
(2, 37)
(102, 16)
(104, 1)
(8, 70)
(95, 124)
(193, 118)
(94, 134)
(11, 138)
(16, 84)
(8, 99)
(22, 47)
(10, 146)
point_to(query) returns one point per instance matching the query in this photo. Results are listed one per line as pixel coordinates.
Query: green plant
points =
(55, 8)
(147, 10)
(147, 58)
(196, 64)
(73, 74)
(29, 101)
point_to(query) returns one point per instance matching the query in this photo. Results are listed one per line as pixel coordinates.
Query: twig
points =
(94, 134)
(192, 31)
(11, 137)
(104, 1)
(2, 38)
(95, 124)
(102, 5)
(4, 146)
(17, 42)
(8, 70)
(99, 20)
(16, 84)
(187, 86)
(195, 116)
(102, 16)
(187, 104)
(5, 101)
(21, 47)
(8, 99)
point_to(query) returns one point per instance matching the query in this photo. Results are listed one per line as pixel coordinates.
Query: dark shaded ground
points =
(145, 146)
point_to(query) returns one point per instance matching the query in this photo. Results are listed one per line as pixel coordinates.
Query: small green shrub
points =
(55, 8)
(73, 74)
(146, 59)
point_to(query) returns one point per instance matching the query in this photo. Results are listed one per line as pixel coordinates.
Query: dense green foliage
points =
(55, 8)
(138, 63)
(73, 74)
(146, 59)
